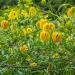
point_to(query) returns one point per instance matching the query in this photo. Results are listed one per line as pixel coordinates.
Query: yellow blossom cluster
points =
(27, 30)
(23, 48)
(45, 33)
(5, 24)
(13, 15)
(31, 12)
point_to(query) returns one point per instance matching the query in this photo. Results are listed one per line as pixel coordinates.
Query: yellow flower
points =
(24, 13)
(48, 26)
(56, 56)
(13, 15)
(33, 65)
(44, 36)
(5, 24)
(23, 48)
(32, 11)
(70, 11)
(29, 30)
(56, 37)
(52, 26)
(41, 23)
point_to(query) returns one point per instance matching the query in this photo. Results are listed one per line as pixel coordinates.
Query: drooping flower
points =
(5, 24)
(13, 15)
(52, 26)
(56, 37)
(48, 26)
(32, 11)
(41, 23)
(44, 36)
(23, 48)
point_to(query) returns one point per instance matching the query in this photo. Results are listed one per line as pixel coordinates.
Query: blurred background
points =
(52, 5)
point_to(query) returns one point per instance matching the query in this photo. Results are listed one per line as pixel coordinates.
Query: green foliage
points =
(14, 62)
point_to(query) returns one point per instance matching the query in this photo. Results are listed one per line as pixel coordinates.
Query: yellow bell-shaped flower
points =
(4, 24)
(44, 36)
(56, 37)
